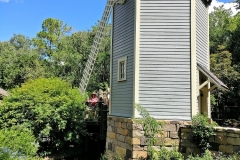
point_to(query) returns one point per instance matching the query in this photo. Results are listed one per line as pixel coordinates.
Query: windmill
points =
(96, 44)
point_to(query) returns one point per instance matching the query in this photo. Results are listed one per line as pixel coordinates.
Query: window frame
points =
(120, 69)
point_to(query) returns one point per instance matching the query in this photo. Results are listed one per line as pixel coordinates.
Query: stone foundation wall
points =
(225, 140)
(125, 138)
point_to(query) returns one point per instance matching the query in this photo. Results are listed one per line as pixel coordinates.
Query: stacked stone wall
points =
(225, 140)
(125, 138)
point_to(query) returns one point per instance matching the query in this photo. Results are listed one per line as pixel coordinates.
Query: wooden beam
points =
(203, 84)
(212, 88)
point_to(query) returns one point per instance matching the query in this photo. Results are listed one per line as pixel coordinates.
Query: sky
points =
(26, 16)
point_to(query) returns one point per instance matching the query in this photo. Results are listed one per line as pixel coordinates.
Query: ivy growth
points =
(202, 130)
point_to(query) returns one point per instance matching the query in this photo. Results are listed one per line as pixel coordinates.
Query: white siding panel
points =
(164, 67)
(123, 45)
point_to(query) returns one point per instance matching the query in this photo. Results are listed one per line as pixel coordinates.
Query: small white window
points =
(122, 69)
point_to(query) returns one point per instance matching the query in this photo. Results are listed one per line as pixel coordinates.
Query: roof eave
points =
(212, 77)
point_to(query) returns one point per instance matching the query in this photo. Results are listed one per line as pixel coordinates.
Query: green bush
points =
(151, 129)
(17, 143)
(50, 108)
(202, 131)
(165, 154)
(208, 156)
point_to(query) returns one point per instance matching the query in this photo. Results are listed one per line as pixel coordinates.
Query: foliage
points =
(202, 131)
(72, 54)
(233, 45)
(152, 128)
(221, 156)
(221, 65)
(104, 156)
(212, 100)
(17, 142)
(17, 64)
(117, 157)
(19, 41)
(219, 27)
(54, 53)
(48, 39)
(224, 48)
(93, 114)
(165, 154)
(208, 156)
(50, 108)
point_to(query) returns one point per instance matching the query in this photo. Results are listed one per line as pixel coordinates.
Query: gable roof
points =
(212, 77)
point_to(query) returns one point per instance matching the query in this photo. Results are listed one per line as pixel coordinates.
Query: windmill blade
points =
(96, 44)
(95, 47)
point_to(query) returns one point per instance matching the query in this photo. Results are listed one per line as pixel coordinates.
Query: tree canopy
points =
(54, 52)
(224, 48)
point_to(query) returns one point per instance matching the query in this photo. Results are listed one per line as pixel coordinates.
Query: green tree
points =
(222, 67)
(17, 65)
(48, 107)
(52, 32)
(224, 42)
(6, 47)
(20, 42)
(234, 41)
(219, 27)
(71, 56)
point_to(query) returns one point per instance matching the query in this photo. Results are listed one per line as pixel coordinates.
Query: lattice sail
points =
(95, 47)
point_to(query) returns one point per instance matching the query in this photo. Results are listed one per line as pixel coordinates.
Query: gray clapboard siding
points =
(164, 60)
(202, 48)
(123, 45)
(202, 33)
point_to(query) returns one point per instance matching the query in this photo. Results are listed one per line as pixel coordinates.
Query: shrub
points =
(202, 131)
(151, 129)
(208, 156)
(50, 108)
(16, 143)
(165, 154)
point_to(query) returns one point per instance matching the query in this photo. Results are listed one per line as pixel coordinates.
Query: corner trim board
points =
(193, 59)
(111, 52)
(136, 57)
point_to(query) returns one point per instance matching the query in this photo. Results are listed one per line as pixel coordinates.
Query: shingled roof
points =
(212, 77)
